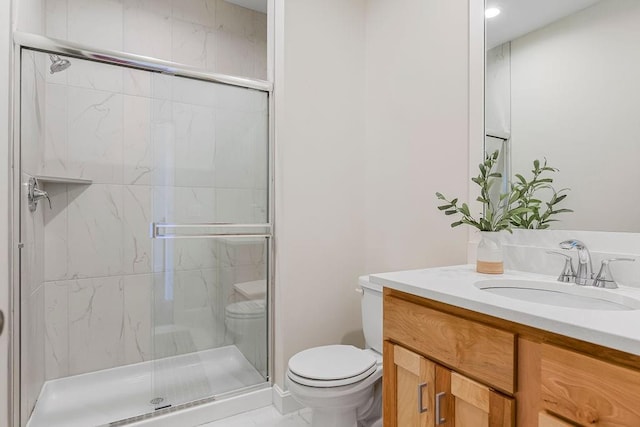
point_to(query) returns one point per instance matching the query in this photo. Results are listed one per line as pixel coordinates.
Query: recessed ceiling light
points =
(492, 12)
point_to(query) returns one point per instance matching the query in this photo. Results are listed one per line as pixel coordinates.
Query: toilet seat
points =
(331, 366)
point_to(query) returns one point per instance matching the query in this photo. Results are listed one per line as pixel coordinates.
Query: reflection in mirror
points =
(563, 83)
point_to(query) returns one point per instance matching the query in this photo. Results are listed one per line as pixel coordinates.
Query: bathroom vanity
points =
(457, 355)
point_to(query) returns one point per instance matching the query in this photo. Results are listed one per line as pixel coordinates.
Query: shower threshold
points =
(107, 396)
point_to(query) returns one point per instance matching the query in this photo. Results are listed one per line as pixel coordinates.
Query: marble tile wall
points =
(207, 34)
(32, 233)
(157, 148)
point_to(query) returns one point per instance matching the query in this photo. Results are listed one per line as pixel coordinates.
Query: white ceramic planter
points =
(490, 259)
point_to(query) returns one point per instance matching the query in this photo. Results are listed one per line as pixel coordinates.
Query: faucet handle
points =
(604, 278)
(568, 272)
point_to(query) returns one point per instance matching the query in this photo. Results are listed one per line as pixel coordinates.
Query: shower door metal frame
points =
(34, 42)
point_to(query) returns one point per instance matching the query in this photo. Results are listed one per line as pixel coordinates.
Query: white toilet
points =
(246, 324)
(342, 384)
(247, 328)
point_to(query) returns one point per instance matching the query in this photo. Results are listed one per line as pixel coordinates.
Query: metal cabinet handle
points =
(439, 419)
(1, 322)
(421, 388)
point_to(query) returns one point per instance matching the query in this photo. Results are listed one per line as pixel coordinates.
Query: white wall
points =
(416, 131)
(371, 121)
(319, 175)
(576, 101)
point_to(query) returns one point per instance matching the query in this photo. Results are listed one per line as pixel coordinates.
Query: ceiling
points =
(259, 5)
(519, 17)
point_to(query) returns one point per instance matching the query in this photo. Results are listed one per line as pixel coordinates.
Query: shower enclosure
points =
(144, 235)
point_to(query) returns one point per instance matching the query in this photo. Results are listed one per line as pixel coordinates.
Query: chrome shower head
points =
(58, 64)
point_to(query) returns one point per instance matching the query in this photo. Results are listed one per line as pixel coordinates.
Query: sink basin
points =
(559, 294)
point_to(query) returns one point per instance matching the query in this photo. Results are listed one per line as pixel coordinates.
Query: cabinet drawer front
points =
(483, 352)
(589, 391)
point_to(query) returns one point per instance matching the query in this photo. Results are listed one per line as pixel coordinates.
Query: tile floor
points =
(265, 417)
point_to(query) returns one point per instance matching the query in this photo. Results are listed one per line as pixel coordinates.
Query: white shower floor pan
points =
(103, 397)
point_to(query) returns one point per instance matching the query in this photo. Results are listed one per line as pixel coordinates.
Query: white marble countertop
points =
(454, 285)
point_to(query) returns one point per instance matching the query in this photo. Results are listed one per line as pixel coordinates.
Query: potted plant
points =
(518, 208)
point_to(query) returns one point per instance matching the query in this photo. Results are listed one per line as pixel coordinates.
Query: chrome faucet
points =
(584, 272)
(604, 278)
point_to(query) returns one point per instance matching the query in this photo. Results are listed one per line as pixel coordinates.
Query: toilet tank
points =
(371, 305)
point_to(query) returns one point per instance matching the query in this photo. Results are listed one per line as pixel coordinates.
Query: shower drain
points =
(156, 400)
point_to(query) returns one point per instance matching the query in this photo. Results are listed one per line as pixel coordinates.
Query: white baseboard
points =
(283, 401)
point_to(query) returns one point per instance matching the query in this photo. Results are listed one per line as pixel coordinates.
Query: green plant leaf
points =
(520, 206)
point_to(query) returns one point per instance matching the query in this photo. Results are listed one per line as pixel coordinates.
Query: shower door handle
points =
(1, 321)
(160, 230)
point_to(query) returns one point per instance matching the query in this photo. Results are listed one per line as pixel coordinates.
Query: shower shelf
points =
(62, 180)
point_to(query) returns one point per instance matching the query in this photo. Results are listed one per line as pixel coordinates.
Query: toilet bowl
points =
(247, 329)
(342, 384)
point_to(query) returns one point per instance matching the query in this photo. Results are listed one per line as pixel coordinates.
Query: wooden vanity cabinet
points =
(447, 366)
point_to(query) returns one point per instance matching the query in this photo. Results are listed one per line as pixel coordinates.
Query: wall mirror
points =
(562, 82)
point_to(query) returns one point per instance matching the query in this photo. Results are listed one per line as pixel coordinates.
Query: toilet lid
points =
(331, 365)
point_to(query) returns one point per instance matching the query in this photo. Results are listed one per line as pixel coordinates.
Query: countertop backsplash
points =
(525, 250)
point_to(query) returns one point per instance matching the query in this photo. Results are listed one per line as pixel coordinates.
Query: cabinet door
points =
(588, 391)
(408, 388)
(416, 390)
(548, 420)
(477, 405)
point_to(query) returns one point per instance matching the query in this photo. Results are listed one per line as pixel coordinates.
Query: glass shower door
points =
(211, 238)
